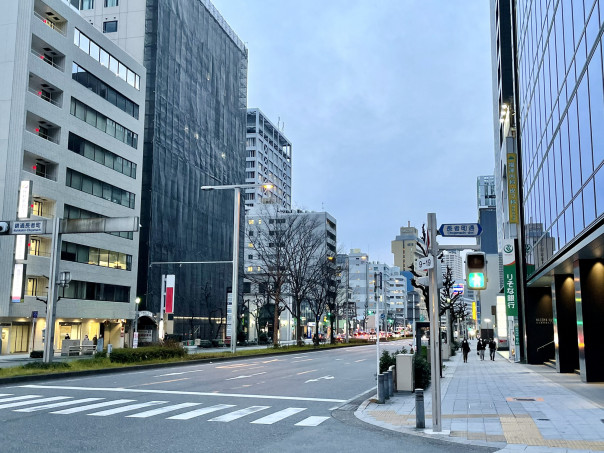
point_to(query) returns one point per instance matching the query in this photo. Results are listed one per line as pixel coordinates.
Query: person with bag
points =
(482, 345)
(465, 348)
(492, 348)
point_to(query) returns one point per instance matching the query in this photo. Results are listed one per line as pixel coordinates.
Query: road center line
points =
(178, 392)
(361, 360)
(175, 374)
(304, 372)
(243, 377)
(163, 382)
(305, 360)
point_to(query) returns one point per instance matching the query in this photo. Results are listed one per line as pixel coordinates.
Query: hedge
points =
(129, 355)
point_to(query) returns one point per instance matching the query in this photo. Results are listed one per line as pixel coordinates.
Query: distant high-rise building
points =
(404, 247)
(485, 189)
(268, 161)
(454, 261)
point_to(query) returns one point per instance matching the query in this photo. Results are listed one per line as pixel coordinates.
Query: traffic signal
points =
(476, 270)
(370, 312)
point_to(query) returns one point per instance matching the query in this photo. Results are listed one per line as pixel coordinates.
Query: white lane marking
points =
(61, 404)
(304, 372)
(312, 421)
(178, 392)
(5, 394)
(354, 398)
(238, 414)
(202, 411)
(278, 416)
(304, 360)
(362, 360)
(18, 398)
(243, 377)
(41, 400)
(162, 410)
(181, 372)
(88, 407)
(327, 378)
(131, 407)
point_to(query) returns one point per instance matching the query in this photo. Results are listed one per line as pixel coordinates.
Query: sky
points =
(387, 103)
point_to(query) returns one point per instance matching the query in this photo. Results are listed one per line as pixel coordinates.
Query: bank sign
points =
(510, 290)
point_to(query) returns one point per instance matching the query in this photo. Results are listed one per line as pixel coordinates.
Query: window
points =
(77, 181)
(87, 4)
(111, 3)
(110, 26)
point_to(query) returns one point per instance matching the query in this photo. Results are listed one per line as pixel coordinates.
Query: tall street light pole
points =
(235, 260)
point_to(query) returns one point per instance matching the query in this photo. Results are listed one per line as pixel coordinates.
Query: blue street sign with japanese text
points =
(460, 229)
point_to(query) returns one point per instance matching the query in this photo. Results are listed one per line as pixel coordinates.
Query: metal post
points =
(347, 294)
(163, 307)
(234, 285)
(420, 415)
(377, 322)
(434, 328)
(51, 303)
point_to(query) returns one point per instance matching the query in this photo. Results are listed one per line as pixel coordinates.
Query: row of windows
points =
(85, 183)
(105, 157)
(84, 254)
(72, 212)
(106, 59)
(101, 122)
(89, 4)
(99, 87)
(96, 291)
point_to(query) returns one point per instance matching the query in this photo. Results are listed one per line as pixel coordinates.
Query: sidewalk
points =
(509, 406)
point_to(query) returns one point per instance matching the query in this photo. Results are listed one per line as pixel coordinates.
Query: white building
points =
(268, 161)
(73, 106)
(453, 260)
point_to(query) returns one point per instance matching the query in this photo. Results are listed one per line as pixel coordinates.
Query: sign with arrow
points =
(468, 230)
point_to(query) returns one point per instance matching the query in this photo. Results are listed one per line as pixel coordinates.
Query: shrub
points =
(387, 359)
(46, 366)
(100, 355)
(262, 338)
(36, 354)
(421, 367)
(146, 353)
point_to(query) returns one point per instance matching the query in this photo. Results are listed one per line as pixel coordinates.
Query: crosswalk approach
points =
(130, 408)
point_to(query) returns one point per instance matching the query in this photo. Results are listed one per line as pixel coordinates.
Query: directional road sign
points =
(468, 230)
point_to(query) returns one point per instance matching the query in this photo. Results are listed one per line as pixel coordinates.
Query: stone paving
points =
(499, 404)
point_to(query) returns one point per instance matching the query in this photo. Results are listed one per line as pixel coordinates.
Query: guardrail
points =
(43, 96)
(50, 24)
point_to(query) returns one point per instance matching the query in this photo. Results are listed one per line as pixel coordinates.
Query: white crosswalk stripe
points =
(88, 407)
(238, 414)
(60, 404)
(202, 411)
(33, 401)
(19, 398)
(162, 410)
(131, 407)
(278, 416)
(312, 421)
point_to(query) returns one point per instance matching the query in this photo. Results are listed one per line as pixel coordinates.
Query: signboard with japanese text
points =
(28, 227)
(512, 180)
(229, 326)
(170, 281)
(510, 290)
(468, 230)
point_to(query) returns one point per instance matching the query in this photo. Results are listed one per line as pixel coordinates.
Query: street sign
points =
(468, 230)
(28, 227)
(423, 264)
(34, 314)
(382, 316)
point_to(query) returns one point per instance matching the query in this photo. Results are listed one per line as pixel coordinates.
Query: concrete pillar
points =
(589, 299)
(565, 323)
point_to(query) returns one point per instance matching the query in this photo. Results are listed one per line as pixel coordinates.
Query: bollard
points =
(386, 385)
(420, 416)
(380, 389)
(390, 383)
(393, 369)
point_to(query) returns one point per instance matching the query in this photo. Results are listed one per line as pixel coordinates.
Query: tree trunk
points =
(299, 336)
(276, 320)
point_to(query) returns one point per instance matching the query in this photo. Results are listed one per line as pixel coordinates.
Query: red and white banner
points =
(170, 279)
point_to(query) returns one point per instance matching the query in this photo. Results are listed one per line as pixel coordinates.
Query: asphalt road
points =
(286, 403)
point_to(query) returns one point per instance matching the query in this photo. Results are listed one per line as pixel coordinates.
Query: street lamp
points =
(487, 320)
(235, 261)
(137, 301)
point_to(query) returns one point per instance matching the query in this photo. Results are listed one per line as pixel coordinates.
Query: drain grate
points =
(543, 419)
(523, 399)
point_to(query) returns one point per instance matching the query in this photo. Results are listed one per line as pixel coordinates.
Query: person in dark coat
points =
(492, 348)
(465, 348)
(482, 345)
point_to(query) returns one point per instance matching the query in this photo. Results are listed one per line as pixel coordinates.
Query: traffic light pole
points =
(434, 328)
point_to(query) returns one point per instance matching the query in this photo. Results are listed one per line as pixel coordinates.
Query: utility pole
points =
(434, 327)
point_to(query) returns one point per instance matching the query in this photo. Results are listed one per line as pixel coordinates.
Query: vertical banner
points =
(170, 280)
(512, 180)
(17, 291)
(229, 310)
(511, 297)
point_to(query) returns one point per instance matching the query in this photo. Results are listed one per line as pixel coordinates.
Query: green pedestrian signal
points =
(476, 270)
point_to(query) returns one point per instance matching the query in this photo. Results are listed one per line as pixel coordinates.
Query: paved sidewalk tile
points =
(499, 404)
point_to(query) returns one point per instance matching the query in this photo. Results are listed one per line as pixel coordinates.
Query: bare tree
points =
(323, 291)
(255, 305)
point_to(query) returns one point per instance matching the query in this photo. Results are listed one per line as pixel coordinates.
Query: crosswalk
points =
(131, 408)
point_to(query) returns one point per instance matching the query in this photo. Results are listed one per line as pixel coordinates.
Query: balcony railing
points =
(50, 138)
(47, 98)
(50, 24)
(47, 60)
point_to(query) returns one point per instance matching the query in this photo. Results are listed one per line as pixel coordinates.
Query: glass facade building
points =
(561, 119)
(194, 136)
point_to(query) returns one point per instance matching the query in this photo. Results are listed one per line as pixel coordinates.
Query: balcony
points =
(47, 53)
(39, 166)
(42, 128)
(45, 91)
(51, 20)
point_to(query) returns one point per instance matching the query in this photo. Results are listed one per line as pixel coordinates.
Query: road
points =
(285, 403)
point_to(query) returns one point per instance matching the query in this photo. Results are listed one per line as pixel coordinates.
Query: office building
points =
(73, 106)
(268, 161)
(194, 136)
(558, 107)
(404, 247)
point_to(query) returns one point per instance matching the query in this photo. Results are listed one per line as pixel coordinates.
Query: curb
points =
(71, 374)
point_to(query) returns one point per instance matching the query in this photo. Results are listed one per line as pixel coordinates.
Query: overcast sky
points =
(388, 105)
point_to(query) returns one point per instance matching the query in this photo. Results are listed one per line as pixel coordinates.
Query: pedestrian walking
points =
(465, 348)
(492, 348)
(482, 345)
